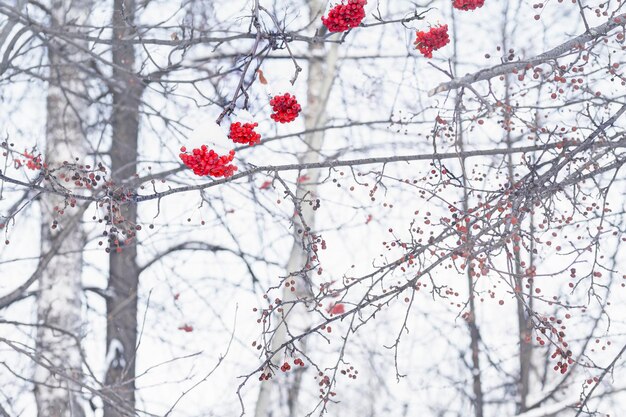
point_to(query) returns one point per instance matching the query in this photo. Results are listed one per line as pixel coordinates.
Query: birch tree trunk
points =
(59, 302)
(321, 74)
(123, 268)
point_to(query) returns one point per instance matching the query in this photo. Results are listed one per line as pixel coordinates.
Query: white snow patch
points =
(115, 356)
(207, 132)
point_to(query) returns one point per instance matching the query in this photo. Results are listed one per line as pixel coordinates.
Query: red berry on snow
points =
(205, 162)
(345, 16)
(244, 133)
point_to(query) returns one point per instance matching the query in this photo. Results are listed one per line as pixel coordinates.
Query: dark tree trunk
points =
(123, 268)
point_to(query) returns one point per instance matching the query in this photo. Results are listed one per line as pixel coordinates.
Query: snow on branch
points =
(554, 53)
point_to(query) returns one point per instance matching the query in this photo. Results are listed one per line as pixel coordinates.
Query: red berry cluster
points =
(345, 16)
(435, 38)
(467, 4)
(286, 108)
(244, 133)
(32, 162)
(207, 162)
(565, 360)
(286, 367)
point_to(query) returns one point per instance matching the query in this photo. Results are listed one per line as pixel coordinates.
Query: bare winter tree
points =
(430, 222)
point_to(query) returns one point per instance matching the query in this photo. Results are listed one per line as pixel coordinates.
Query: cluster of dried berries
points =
(467, 4)
(345, 16)
(436, 38)
(564, 360)
(205, 162)
(286, 367)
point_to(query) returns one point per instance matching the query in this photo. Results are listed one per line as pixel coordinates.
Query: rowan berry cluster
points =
(207, 162)
(286, 108)
(468, 4)
(435, 38)
(32, 162)
(244, 133)
(345, 16)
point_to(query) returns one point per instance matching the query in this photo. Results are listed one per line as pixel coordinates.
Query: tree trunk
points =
(59, 302)
(123, 268)
(523, 319)
(524, 322)
(474, 332)
(295, 320)
(477, 386)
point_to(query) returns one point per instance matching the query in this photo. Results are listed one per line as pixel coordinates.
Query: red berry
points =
(186, 328)
(337, 309)
(205, 162)
(467, 4)
(345, 16)
(286, 108)
(435, 38)
(244, 133)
